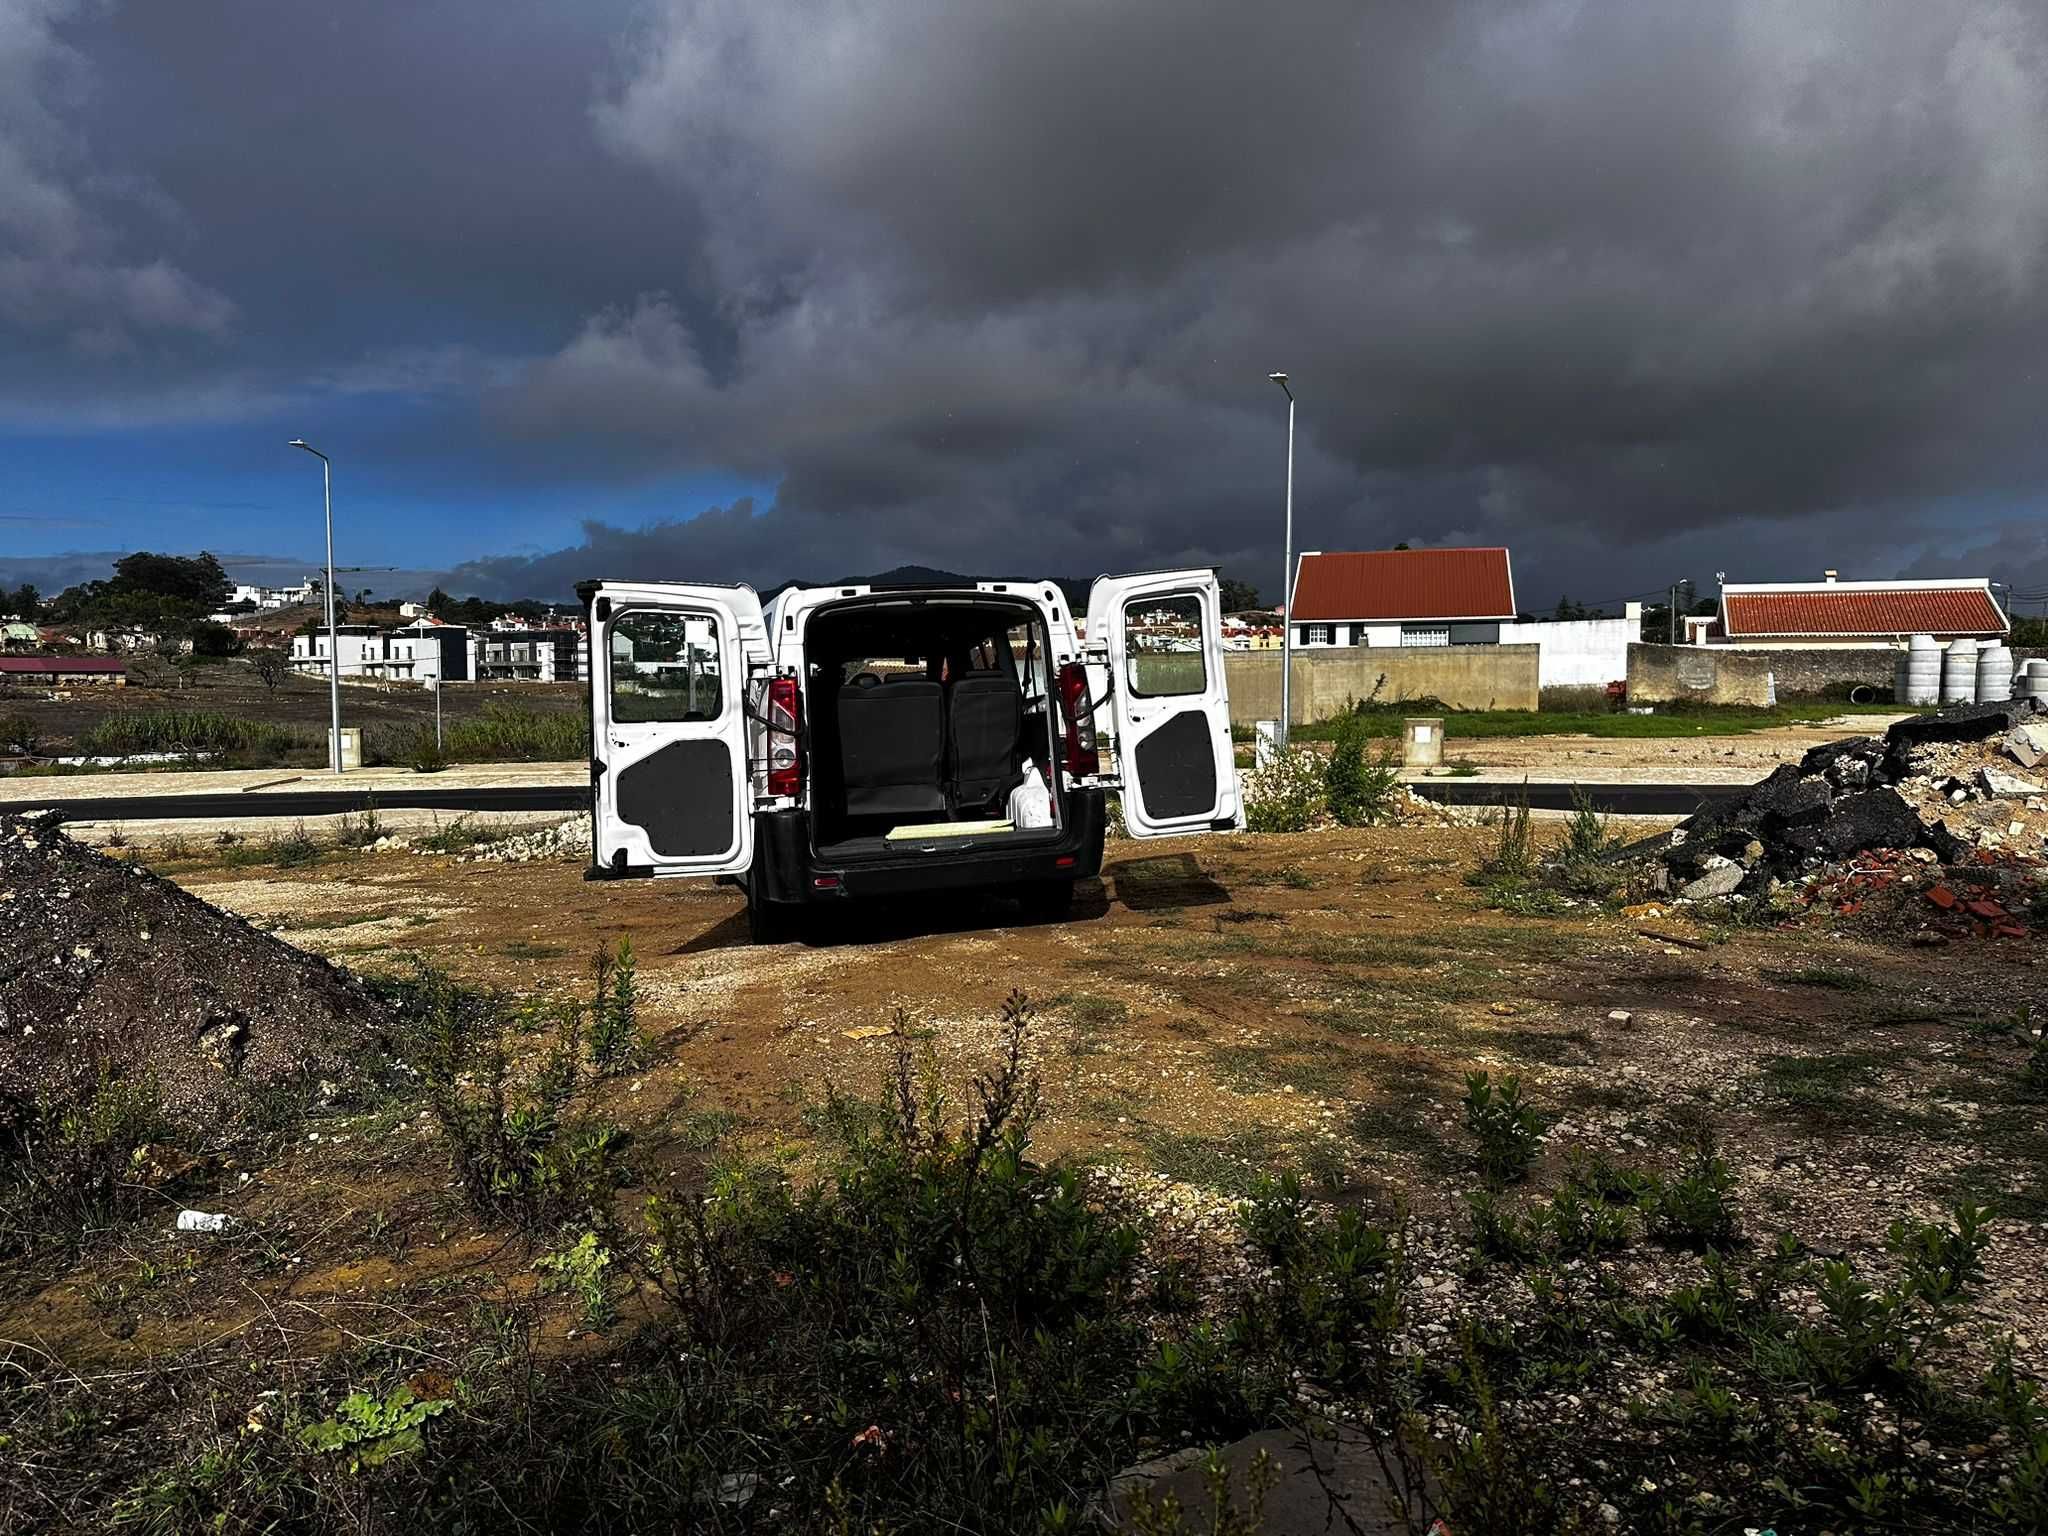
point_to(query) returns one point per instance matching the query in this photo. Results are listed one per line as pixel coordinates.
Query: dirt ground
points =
(1216, 1008)
(1652, 760)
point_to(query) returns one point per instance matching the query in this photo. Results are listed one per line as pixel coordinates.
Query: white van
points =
(858, 741)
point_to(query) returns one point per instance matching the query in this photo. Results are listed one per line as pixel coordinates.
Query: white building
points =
(415, 654)
(559, 655)
(1446, 597)
(275, 597)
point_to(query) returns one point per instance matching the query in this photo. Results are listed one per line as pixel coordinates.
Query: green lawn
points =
(1697, 721)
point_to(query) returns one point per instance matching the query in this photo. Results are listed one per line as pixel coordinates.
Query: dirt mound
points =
(105, 963)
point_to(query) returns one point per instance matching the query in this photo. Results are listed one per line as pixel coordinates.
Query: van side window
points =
(665, 667)
(1165, 645)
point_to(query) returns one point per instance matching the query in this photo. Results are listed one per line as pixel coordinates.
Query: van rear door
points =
(1169, 704)
(671, 789)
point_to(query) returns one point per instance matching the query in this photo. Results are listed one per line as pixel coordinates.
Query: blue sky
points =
(732, 291)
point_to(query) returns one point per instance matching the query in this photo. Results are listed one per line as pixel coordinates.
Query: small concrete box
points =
(351, 747)
(1422, 743)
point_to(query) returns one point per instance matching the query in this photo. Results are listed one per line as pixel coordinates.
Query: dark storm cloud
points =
(1641, 289)
(1558, 275)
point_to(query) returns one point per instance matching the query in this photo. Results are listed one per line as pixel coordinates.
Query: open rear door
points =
(670, 786)
(1169, 705)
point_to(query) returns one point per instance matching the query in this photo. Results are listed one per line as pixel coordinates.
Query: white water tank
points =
(2030, 681)
(1994, 673)
(1959, 673)
(1920, 672)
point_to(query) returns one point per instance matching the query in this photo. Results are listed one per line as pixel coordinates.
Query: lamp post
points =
(1287, 575)
(333, 641)
(1683, 581)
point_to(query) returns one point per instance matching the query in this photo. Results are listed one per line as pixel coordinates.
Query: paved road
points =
(1608, 799)
(1614, 799)
(310, 802)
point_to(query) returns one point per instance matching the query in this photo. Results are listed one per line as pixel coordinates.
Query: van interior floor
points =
(922, 711)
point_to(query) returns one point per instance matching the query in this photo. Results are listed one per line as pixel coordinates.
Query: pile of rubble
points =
(564, 840)
(1935, 786)
(107, 967)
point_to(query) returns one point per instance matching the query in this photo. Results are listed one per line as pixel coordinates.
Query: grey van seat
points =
(987, 710)
(892, 747)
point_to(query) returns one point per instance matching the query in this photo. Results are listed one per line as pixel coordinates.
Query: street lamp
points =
(1685, 582)
(333, 642)
(1287, 575)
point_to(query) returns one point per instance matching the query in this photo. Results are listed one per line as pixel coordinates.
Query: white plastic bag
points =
(1031, 801)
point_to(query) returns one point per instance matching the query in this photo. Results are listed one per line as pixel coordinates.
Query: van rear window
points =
(665, 667)
(1164, 654)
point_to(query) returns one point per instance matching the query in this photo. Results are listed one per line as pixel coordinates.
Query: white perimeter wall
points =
(1578, 651)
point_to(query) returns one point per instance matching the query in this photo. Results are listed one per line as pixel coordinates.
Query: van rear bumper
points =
(786, 870)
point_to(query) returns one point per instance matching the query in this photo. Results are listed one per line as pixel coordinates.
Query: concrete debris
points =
(564, 840)
(1847, 798)
(2005, 786)
(2027, 745)
(202, 1221)
(1724, 881)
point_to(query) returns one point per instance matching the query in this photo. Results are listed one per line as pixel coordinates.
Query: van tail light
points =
(1082, 758)
(785, 712)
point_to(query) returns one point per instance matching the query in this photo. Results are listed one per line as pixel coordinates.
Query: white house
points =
(1402, 597)
(1440, 597)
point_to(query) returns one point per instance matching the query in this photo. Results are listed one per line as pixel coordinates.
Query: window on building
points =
(665, 666)
(1319, 634)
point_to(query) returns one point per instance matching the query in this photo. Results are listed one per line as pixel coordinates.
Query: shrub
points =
(20, 734)
(525, 1151)
(952, 1317)
(502, 732)
(425, 753)
(1507, 1130)
(1360, 790)
(1288, 794)
(294, 850)
(1514, 849)
(1692, 1208)
(354, 831)
(615, 1039)
(1586, 836)
(584, 1269)
(193, 730)
(1500, 1234)
(458, 836)
(67, 1160)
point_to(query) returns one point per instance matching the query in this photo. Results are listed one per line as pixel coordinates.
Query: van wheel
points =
(768, 922)
(1047, 900)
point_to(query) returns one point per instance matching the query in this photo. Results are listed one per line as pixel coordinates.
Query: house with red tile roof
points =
(1402, 597)
(1832, 614)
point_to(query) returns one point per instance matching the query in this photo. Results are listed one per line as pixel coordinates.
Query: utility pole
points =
(1287, 576)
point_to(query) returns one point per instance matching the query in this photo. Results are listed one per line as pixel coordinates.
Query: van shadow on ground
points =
(1164, 883)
